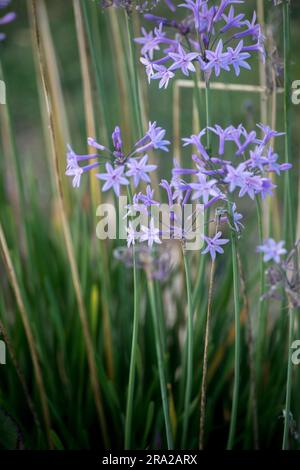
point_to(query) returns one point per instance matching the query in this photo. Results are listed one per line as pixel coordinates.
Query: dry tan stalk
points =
(60, 119)
(225, 86)
(65, 226)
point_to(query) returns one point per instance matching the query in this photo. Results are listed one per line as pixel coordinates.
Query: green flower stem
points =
(128, 419)
(285, 442)
(208, 112)
(161, 371)
(133, 357)
(189, 368)
(139, 131)
(197, 94)
(200, 277)
(237, 355)
(289, 221)
(262, 318)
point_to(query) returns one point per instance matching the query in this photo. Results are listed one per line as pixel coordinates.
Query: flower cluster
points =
(247, 172)
(7, 18)
(212, 36)
(212, 180)
(119, 165)
(179, 224)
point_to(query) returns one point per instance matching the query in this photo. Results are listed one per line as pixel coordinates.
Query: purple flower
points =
(154, 139)
(214, 245)
(113, 178)
(251, 185)
(183, 60)
(236, 176)
(250, 138)
(204, 188)
(93, 143)
(232, 21)
(217, 59)
(163, 74)
(138, 168)
(268, 134)
(223, 134)
(73, 168)
(136, 207)
(149, 67)
(273, 165)
(266, 187)
(257, 160)
(117, 139)
(147, 199)
(196, 141)
(131, 235)
(272, 250)
(194, 6)
(150, 234)
(149, 43)
(253, 29)
(238, 58)
(223, 5)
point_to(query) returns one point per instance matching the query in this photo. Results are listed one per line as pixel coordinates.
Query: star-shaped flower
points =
(138, 168)
(214, 245)
(204, 188)
(113, 178)
(183, 60)
(150, 234)
(272, 250)
(163, 74)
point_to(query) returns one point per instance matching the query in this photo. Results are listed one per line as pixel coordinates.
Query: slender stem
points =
(133, 69)
(285, 442)
(237, 342)
(161, 372)
(208, 116)
(289, 222)
(139, 131)
(133, 357)
(249, 338)
(205, 358)
(200, 276)
(197, 96)
(262, 313)
(128, 420)
(189, 376)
